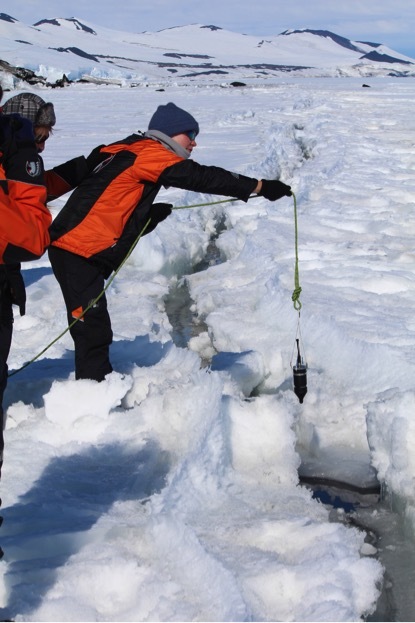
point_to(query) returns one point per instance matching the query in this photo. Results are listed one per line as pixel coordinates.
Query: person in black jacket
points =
(96, 228)
(36, 118)
(22, 192)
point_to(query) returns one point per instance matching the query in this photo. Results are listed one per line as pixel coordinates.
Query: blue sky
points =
(379, 21)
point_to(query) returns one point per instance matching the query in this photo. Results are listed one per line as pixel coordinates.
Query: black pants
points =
(6, 331)
(81, 282)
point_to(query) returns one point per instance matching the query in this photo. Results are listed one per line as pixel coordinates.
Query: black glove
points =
(158, 212)
(17, 286)
(274, 189)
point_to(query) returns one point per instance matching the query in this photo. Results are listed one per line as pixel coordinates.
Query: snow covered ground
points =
(170, 492)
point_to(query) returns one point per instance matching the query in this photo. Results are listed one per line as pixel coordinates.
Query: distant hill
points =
(63, 50)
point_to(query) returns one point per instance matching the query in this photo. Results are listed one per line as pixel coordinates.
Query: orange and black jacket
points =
(24, 217)
(108, 210)
(24, 190)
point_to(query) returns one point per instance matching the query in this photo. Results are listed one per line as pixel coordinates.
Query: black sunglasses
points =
(191, 134)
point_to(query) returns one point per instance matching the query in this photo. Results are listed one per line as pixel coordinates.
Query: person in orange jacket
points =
(24, 222)
(26, 121)
(102, 218)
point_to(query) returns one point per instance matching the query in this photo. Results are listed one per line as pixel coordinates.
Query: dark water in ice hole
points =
(373, 510)
(370, 508)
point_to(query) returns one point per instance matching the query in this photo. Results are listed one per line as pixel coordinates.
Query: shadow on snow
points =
(51, 521)
(30, 384)
(35, 274)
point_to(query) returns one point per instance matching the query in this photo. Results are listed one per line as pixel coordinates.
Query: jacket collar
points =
(168, 142)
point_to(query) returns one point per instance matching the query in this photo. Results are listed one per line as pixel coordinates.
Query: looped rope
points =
(297, 288)
(296, 298)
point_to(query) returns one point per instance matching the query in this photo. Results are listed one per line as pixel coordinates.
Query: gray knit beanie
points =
(31, 107)
(172, 120)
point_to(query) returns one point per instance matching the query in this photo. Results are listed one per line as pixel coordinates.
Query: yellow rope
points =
(297, 289)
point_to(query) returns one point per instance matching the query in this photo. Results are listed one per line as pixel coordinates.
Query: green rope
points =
(295, 295)
(297, 289)
(209, 203)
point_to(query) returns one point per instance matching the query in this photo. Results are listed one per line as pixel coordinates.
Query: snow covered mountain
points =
(54, 51)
